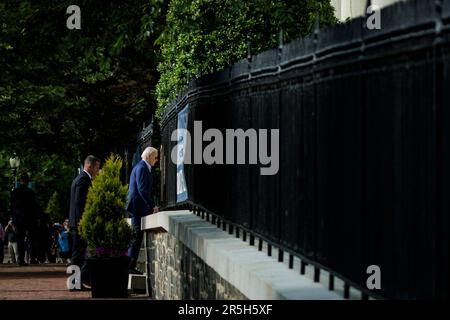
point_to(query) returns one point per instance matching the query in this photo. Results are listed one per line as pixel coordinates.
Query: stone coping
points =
(252, 272)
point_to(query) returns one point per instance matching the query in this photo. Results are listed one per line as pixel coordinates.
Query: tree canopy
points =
(66, 93)
(74, 92)
(203, 36)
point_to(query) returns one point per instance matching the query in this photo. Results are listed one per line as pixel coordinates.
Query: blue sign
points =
(182, 193)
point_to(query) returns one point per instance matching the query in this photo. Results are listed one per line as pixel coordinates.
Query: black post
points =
(302, 267)
(260, 244)
(14, 179)
(331, 282)
(280, 255)
(291, 261)
(316, 274)
(346, 291)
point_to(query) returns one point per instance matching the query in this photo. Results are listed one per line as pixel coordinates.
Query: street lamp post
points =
(14, 162)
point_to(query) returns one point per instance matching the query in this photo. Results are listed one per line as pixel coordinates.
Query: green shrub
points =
(103, 224)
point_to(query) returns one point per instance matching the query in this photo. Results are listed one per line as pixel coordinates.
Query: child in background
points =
(63, 243)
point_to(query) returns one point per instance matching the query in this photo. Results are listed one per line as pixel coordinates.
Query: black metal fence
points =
(364, 119)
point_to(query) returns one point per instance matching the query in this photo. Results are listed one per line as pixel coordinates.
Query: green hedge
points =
(203, 36)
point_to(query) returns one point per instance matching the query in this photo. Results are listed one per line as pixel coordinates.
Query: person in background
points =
(43, 237)
(62, 238)
(66, 225)
(67, 228)
(2, 237)
(24, 216)
(28, 255)
(54, 249)
(11, 237)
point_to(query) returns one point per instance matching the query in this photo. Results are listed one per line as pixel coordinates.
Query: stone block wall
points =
(175, 272)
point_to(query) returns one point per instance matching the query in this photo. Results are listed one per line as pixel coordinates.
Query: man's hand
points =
(155, 209)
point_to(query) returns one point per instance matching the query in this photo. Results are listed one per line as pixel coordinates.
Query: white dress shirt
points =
(148, 165)
(90, 177)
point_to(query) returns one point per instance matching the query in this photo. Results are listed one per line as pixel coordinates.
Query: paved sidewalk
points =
(40, 282)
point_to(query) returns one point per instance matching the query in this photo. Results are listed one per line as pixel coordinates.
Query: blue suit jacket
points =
(139, 199)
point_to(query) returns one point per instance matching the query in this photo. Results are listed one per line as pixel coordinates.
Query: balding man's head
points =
(150, 155)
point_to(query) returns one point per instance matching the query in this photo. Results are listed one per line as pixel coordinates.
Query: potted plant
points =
(107, 233)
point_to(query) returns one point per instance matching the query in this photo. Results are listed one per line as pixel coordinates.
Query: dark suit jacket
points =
(24, 208)
(78, 195)
(139, 199)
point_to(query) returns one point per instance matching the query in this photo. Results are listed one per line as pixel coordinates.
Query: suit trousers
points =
(133, 251)
(79, 256)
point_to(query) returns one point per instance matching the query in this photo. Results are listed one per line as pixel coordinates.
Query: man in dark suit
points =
(139, 200)
(24, 216)
(78, 195)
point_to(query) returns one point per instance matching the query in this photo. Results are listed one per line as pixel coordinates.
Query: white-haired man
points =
(139, 200)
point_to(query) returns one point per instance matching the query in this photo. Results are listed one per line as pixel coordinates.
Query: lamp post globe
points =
(14, 162)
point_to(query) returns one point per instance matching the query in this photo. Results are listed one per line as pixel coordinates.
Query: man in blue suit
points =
(139, 199)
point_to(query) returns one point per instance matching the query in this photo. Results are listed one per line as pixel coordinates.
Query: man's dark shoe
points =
(132, 264)
(134, 271)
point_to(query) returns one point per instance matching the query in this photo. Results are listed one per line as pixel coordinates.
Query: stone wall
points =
(175, 272)
(187, 257)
